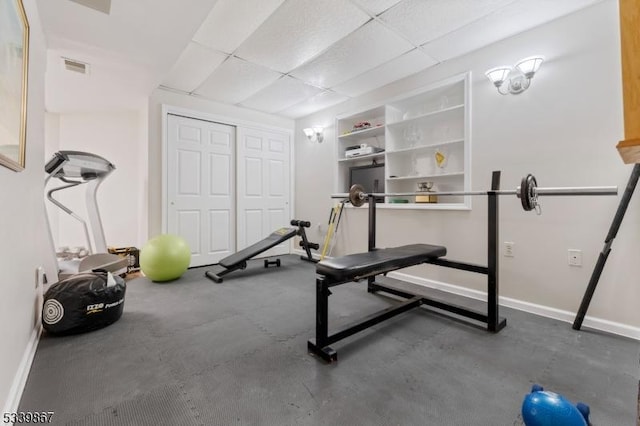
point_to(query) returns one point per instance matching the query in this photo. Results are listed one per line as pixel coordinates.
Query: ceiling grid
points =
(287, 57)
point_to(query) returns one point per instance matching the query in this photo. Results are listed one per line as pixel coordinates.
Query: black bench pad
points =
(275, 238)
(360, 265)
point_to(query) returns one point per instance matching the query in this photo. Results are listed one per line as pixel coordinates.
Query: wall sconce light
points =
(314, 134)
(519, 78)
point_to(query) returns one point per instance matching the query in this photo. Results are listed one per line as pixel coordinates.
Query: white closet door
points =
(200, 187)
(263, 186)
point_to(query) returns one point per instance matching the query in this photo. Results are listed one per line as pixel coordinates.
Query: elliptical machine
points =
(82, 168)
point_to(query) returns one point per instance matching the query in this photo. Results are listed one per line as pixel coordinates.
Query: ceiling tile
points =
(300, 30)
(369, 46)
(318, 102)
(422, 21)
(145, 32)
(236, 80)
(508, 21)
(403, 66)
(280, 95)
(376, 7)
(103, 6)
(194, 65)
(230, 22)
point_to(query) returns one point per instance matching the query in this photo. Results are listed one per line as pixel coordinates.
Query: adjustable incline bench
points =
(360, 266)
(239, 260)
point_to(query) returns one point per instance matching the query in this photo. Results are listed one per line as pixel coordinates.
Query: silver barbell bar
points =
(528, 193)
(578, 190)
(559, 191)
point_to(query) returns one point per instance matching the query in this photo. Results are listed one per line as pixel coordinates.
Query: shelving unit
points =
(371, 132)
(425, 136)
(362, 157)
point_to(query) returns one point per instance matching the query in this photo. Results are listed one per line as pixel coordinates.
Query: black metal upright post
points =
(372, 223)
(493, 317)
(305, 244)
(604, 254)
(322, 312)
(319, 345)
(372, 237)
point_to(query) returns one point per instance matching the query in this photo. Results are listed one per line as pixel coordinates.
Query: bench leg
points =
(318, 346)
(327, 354)
(217, 277)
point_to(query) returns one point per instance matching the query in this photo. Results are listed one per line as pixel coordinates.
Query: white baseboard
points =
(20, 379)
(545, 311)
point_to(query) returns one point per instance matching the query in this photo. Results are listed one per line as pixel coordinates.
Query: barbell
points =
(527, 192)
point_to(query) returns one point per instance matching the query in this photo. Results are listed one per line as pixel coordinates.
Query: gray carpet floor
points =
(192, 352)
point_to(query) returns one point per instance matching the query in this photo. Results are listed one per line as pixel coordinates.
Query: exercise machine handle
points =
(302, 223)
(312, 246)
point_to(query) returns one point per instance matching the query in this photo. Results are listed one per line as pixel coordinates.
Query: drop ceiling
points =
(285, 57)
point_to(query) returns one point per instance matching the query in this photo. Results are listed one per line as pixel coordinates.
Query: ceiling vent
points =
(103, 6)
(75, 66)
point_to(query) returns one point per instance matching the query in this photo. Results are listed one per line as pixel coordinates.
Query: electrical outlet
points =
(508, 248)
(40, 277)
(575, 257)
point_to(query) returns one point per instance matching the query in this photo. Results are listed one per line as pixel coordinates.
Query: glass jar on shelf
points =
(412, 135)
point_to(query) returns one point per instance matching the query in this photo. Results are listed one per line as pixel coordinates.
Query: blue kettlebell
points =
(544, 408)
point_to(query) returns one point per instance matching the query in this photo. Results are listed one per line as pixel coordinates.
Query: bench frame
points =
(242, 263)
(490, 320)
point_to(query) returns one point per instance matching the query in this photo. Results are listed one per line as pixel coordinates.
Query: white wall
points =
(116, 136)
(23, 238)
(222, 113)
(563, 130)
(51, 145)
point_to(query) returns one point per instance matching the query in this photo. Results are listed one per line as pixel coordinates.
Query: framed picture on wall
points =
(14, 65)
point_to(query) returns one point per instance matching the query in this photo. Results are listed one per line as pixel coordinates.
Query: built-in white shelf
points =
(419, 117)
(361, 157)
(423, 147)
(363, 134)
(431, 176)
(414, 130)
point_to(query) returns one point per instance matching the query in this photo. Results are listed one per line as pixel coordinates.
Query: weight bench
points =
(239, 259)
(376, 261)
(355, 267)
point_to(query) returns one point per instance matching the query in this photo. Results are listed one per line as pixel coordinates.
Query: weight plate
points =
(356, 195)
(528, 196)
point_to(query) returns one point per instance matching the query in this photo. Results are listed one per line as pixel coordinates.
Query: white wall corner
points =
(20, 378)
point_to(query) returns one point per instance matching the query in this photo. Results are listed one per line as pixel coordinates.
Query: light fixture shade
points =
(529, 66)
(318, 131)
(498, 75)
(314, 134)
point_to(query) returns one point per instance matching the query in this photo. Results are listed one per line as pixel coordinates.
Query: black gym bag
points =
(83, 302)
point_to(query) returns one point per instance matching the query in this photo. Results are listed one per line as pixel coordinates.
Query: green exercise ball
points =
(165, 257)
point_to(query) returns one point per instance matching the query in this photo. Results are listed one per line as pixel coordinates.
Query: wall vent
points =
(75, 66)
